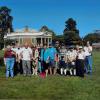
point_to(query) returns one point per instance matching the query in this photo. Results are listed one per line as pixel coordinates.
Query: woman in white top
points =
(80, 63)
(88, 59)
(18, 60)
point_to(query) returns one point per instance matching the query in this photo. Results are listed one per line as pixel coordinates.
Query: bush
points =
(1, 57)
(1, 61)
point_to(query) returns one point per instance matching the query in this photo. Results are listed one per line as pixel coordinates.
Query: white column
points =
(35, 41)
(44, 40)
(48, 41)
(41, 41)
(19, 40)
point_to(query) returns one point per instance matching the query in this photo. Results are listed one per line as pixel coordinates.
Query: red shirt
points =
(9, 54)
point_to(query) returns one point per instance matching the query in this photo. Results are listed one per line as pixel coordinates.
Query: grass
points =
(53, 87)
(1, 53)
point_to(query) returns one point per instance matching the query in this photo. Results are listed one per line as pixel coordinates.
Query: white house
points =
(30, 36)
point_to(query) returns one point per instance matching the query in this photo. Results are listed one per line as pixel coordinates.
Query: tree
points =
(59, 38)
(71, 33)
(92, 37)
(9, 42)
(5, 23)
(46, 29)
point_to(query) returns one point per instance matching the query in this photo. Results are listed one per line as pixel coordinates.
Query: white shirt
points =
(13, 49)
(26, 53)
(88, 50)
(36, 54)
(81, 55)
(62, 51)
(18, 52)
(70, 56)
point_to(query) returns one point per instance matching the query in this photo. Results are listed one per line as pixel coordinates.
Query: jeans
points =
(9, 67)
(88, 64)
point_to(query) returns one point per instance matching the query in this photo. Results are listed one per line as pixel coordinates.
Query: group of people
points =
(48, 60)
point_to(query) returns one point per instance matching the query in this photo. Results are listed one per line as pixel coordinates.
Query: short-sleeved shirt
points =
(44, 54)
(52, 53)
(18, 52)
(26, 53)
(88, 50)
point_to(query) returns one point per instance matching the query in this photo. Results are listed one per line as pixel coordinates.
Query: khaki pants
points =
(26, 67)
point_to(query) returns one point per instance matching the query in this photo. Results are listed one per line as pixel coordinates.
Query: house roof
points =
(27, 32)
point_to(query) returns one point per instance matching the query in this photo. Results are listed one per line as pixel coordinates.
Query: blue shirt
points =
(52, 52)
(44, 54)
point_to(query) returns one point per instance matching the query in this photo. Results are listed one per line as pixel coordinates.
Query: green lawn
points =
(53, 87)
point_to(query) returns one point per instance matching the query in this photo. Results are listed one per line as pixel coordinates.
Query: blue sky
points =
(54, 13)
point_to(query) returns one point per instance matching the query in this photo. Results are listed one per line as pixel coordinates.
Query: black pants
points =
(80, 67)
(18, 68)
(45, 65)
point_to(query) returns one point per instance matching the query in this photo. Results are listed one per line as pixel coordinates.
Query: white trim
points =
(27, 35)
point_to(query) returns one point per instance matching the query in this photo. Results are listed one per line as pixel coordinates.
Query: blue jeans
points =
(88, 64)
(9, 67)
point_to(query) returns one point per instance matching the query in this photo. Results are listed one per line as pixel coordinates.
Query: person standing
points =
(45, 58)
(88, 59)
(40, 67)
(57, 56)
(18, 59)
(26, 55)
(36, 59)
(52, 55)
(9, 59)
(80, 62)
(63, 66)
(71, 61)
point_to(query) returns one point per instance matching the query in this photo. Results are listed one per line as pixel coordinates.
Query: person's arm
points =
(41, 55)
(83, 53)
(48, 58)
(55, 56)
(5, 61)
(21, 54)
(5, 57)
(30, 52)
(66, 58)
(13, 53)
(90, 49)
